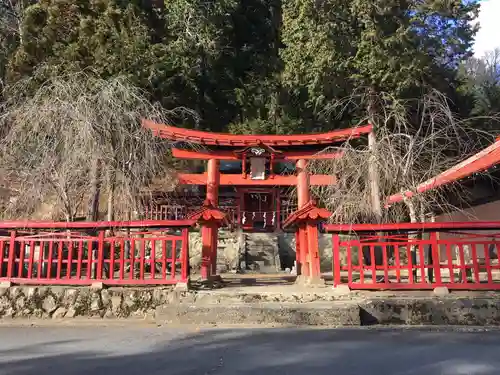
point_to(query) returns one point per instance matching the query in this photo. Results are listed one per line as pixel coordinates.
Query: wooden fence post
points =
(12, 254)
(336, 260)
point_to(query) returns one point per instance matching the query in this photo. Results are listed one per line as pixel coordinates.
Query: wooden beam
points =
(479, 162)
(229, 155)
(203, 155)
(238, 180)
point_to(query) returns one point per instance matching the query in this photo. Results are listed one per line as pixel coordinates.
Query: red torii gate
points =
(258, 155)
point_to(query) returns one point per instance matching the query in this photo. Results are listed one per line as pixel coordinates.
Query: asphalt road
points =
(153, 351)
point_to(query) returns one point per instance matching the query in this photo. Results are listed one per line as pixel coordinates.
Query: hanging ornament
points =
(244, 218)
(253, 215)
(265, 219)
(273, 220)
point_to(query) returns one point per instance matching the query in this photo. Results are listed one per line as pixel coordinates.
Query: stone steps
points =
(261, 253)
(229, 251)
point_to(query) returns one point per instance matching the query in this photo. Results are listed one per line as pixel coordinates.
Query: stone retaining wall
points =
(65, 302)
(320, 308)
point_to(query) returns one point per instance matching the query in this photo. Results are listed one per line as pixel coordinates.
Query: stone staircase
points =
(261, 253)
(229, 250)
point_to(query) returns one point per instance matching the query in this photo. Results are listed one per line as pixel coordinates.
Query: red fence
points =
(115, 253)
(180, 212)
(417, 256)
(236, 217)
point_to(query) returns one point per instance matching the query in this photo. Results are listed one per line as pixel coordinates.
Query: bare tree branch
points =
(408, 153)
(72, 124)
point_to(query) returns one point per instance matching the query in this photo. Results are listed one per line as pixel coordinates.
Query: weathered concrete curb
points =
(393, 311)
(431, 311)
(295, 314)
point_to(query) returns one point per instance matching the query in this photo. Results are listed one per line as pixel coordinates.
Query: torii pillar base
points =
(306, 221)
(310, 282)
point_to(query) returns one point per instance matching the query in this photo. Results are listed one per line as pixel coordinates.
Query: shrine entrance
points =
(258, 184)
(258, 210)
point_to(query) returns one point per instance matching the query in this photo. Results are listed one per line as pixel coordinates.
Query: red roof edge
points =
(309, 212)
(479, 162)
(208, 213)
(224, 139)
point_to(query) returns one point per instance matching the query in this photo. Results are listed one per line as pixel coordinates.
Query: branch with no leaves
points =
(55, 138)
(407, 153)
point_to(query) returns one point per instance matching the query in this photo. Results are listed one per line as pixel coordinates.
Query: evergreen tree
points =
(363, 49)
(66, 36)
(481, 84)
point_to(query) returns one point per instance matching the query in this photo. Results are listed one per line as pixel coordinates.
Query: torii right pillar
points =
(306, 221)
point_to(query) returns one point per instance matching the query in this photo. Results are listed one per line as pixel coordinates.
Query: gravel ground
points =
(134, 349)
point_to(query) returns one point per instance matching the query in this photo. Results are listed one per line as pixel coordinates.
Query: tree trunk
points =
(111, 195)
(412, 212)
(202, 87)
(373, 175)
(413, 236)
(373, 178)
(277, 20)
(95, 193)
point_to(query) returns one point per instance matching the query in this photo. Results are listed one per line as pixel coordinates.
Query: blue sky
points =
(488, 36)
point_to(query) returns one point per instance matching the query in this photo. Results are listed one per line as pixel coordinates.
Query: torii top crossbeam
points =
(224, 139)
(249, 148)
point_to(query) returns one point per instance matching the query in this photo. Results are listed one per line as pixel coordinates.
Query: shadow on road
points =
(155, 351)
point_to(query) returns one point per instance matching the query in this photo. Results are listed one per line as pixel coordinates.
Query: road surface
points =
(149, 350)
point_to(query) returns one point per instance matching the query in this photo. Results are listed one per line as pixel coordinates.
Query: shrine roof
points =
(309, 212)
(224, 139)
(480, 162)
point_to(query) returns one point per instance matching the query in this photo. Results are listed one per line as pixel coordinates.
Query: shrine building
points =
(251, 181)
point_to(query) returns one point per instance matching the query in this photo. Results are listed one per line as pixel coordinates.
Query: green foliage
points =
(339, 48)
(481, 85)
(61, 37)
(280, 66)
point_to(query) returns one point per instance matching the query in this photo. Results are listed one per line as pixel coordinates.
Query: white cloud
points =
(488, 37)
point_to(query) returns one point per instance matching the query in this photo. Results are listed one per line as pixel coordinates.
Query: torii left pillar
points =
(210, 230)
(210, 219)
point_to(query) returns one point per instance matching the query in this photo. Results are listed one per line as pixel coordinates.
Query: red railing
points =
(236, 217)
(417, 256)
(178, 212)
(114, 253)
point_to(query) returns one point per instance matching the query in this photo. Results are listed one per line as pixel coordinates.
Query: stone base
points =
(239, 306)
(97, 286)
(441, 291)
(56, 302)
(182, 287)
(310, 282)
(342, 290)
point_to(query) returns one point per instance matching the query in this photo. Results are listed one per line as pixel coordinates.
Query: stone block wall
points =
(228, 254)
(229, 251)
(68, 302)
(287, 250)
